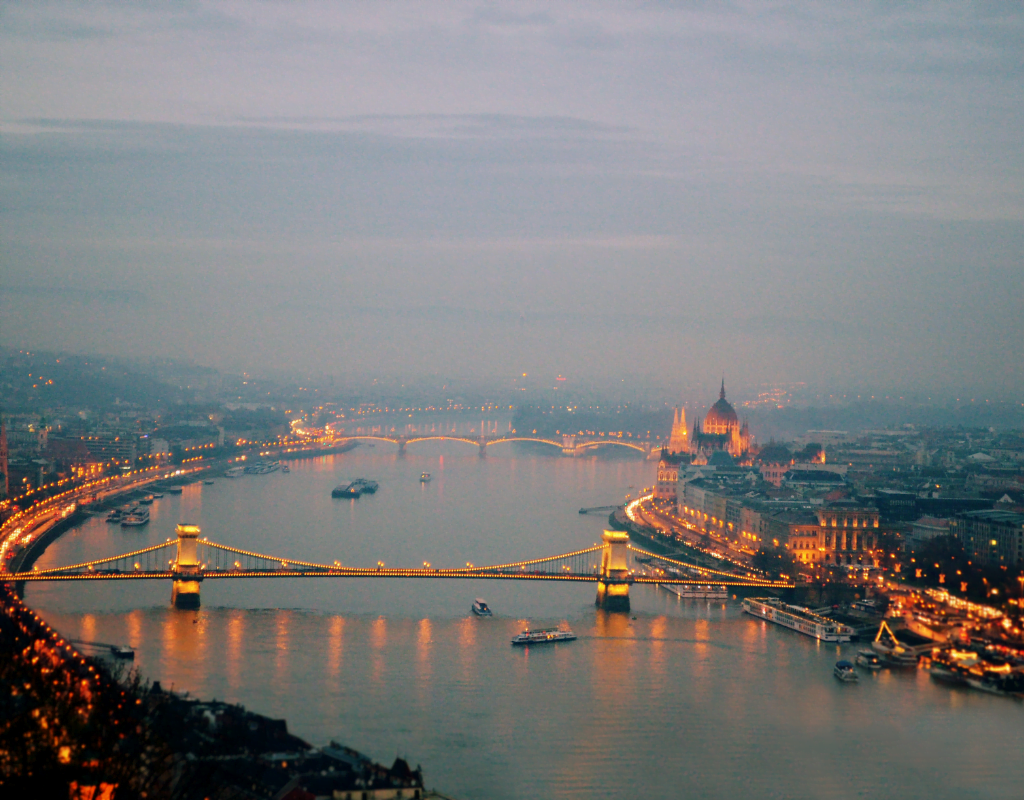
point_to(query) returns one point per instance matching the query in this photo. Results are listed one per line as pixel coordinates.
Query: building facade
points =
(992, 537)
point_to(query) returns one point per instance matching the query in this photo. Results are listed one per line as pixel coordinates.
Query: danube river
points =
(689, 699)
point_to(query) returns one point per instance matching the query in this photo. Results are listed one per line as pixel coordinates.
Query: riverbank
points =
(76, 726)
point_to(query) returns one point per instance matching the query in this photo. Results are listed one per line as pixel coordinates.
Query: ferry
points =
(234, 472)
(136, 518)
(425, 477)
(869, 659)
(844, 671)
(480, 608)
(798, 619)
(543, 636)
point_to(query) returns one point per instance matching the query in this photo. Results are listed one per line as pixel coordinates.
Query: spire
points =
(721, 394)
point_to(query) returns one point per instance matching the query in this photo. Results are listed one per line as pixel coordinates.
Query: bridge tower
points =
(613, 586)
(568, 444)
(187, 569)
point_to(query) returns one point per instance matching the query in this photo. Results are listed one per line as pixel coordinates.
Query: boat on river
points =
(798, 618)
(844, 671)
(136, 518)
(480, 608)
(234, 472)
(425, 477)
(543, 636)
(868, 659)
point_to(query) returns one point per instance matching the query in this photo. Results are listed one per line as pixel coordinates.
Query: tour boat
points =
(122, 651)
(425, 477)
(234, 472)
(115, 516)
(136, 518)
(346, 490)
(480, 608)
(845, 672)
(869, 659)
(543, 636)
(798, 618)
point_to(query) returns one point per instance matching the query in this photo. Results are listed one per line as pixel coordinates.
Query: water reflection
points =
(336, 646)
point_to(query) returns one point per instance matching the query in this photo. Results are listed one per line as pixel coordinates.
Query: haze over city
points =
(490, 401)
(817, 192)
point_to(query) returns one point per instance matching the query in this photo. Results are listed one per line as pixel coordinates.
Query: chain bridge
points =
(187, 561)
(569, 444)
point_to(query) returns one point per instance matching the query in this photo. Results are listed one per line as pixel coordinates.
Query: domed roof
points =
(721, 413)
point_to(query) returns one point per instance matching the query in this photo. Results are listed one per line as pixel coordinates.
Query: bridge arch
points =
(511, 439)
(616, 442)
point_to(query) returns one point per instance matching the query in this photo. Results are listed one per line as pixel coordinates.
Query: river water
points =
(689, 699)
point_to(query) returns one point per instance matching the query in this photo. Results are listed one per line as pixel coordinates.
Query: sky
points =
(661, 193)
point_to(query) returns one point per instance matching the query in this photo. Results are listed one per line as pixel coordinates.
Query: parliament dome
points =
(721, 417)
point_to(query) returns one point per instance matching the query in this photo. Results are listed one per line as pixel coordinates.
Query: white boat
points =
(122, 651)
(543, 636)
(234, 472)
(868, 659)
(425, 477)
(798, 618)
(844, 671)
(480, 608)
(136, 518)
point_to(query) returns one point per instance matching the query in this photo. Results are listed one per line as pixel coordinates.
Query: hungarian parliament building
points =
(720, 431)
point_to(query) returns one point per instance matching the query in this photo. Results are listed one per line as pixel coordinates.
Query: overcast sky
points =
(830, 193)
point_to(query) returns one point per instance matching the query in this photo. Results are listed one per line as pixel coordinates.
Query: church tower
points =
(679, 440)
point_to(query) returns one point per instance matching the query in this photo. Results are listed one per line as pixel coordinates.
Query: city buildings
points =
(994, 537)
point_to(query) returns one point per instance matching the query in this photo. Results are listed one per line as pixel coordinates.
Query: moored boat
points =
(543, 636)
(122, 651)
(234, 472)
(480, 608)
(136, 518)
(798, 618)
(115, 516)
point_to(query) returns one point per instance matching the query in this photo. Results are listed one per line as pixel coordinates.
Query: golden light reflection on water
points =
(657, 646)
(133, 624)
(283, 620)
(235, 643)
(378, 641)
(88, 627)
(184, 643)
(335, 650)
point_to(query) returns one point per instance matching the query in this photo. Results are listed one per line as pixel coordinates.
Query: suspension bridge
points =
(187, 561)
(569, 444)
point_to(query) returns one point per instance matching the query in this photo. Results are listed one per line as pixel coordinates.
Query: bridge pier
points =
(187, 569)
(613, 585)
(401, 447)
